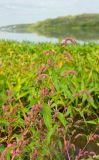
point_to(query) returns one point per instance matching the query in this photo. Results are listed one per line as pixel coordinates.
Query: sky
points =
(30, 11)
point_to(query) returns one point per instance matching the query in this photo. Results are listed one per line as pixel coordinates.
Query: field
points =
(49, 101)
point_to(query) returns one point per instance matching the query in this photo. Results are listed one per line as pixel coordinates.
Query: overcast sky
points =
(28, 11)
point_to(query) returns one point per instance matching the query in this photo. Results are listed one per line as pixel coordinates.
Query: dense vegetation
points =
(49, 108)
(81, 27)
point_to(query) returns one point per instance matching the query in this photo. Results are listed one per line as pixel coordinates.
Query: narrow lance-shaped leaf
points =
(46, 111)
(62, 119)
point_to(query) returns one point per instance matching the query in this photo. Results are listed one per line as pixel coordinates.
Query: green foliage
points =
(49, 94)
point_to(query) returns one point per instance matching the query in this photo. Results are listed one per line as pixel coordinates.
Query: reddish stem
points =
(68, 39)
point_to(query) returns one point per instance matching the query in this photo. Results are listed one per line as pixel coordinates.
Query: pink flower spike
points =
(34, 154)
(9, 93)
(68, 39)
(44, 92)
(72, 72)
(49, 62)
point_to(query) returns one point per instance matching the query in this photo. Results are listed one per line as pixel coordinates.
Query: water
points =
(26, 37)
(31, 11)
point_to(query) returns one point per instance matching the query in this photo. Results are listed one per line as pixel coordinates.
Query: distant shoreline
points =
(80, 27)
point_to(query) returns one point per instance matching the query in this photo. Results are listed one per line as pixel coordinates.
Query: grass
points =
(49, 101)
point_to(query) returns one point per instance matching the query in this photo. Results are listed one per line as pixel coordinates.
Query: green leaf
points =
(1, 148)
(81, 114)
(93, 105)
(46, 111)
(50, 133)
(4, 122)
(91, 122)
(2, 89)
(8, 156)
(62, 119)
(69, 111)
(66, 91)
(22, 95)
(18, 85)
(56, 82)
